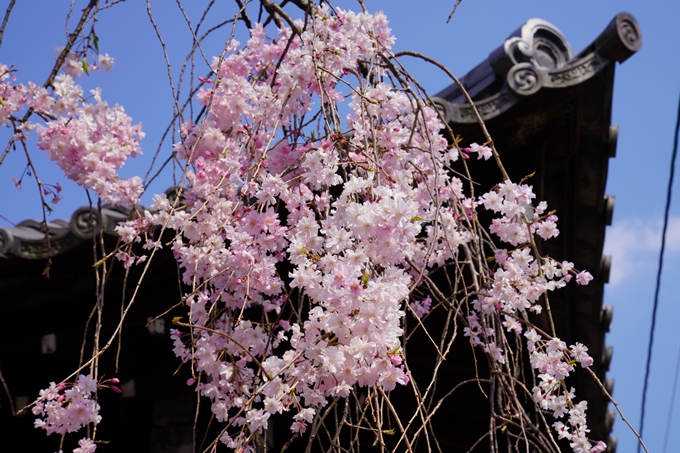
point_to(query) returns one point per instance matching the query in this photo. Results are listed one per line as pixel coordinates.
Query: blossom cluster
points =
(354, 217)
(344, 213)
(91, 142)
(303, 236)
(519, 279)
(75, 65)
(519, 282)
(555, 362)
(12, 97)
(65, 408)
(69, 406)
(88, 139)
(421, 307)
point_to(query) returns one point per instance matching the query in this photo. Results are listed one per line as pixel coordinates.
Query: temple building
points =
(549, 111)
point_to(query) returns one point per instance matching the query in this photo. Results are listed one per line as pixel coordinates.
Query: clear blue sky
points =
(645, 104)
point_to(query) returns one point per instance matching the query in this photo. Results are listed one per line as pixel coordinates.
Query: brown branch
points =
(9, 395)
(623, 417)
(276, 13)
(302, 4)
(244, 15)
(69, 45)
(455, 7)
(57, 65)
(4, 21)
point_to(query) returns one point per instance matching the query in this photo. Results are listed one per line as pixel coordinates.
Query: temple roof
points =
(27, 239)
(534, 58)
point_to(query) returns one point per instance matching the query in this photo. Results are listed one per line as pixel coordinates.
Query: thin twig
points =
(618, 409)
(4, 21)
(480, 121)
(448, 19)
(9, 395)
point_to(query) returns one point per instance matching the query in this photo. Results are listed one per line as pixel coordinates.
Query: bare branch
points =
(4, 21)
(448, 19)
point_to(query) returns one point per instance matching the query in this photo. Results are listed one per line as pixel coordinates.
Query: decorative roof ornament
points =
(536, 56)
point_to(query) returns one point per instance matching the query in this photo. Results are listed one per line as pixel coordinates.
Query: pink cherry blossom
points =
(304, 245)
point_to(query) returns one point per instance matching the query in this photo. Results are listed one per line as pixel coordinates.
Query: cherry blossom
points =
(66, 408)
(91, 142)
(305, 237)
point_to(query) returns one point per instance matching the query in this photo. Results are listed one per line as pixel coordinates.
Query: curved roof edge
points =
(535, 57)
(28, 239)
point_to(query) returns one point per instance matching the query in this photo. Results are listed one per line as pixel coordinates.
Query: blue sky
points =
(645, 104)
